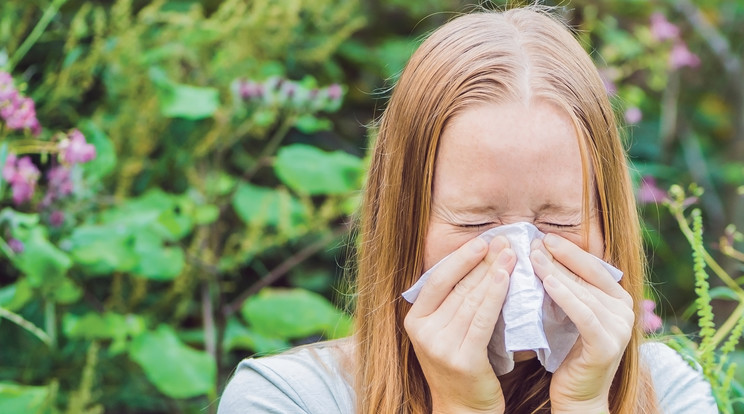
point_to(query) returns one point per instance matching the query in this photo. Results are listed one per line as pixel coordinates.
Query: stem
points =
(6, 249)
(35, 34)
(208, 316)
(712, 264)
(282, 269)
(50, 322)
(27, 325)
(727, 326)
(271, 146)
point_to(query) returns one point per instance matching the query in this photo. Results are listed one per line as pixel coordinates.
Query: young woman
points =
(498, 118)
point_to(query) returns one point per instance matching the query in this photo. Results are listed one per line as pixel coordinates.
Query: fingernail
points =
(551, 281)
(505, 256)
(500, 242)
(539, 257)
(551, 240)
(535, 244)
(477, 245)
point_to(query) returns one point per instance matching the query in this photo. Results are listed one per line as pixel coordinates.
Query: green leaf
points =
(23, 399)
(294, 313)
(260, 206)
(14, 296)
(206, 214)
(105, 161)
(155, 260)
(101, 250)
(41, 261)
(308, 124)
(184, 101)
(107, 326)
(237, 336)
(309, 170)
(175, 369)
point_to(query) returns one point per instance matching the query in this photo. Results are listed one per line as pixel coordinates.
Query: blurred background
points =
(179, 177)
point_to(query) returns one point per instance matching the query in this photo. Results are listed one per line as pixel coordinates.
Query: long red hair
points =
(482, 57)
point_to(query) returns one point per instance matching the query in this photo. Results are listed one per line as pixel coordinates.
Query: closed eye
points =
(561, 226)
(475, 226)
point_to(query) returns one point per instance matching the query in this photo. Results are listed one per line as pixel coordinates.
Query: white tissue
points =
(529, 319)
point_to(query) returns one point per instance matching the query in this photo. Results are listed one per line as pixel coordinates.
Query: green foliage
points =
(294, 314)
(201, 195)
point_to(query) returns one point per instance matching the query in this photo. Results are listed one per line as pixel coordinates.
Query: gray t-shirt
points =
(310, 380)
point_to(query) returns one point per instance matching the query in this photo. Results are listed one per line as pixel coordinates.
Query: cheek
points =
(439, 243)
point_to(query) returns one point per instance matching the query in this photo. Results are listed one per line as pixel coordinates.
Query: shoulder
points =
(309, 379)
(679, 387)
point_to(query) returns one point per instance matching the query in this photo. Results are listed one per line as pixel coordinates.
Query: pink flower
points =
(60, 184)
(57, 218)
(22, 176)
(681, 57)
(15, 245)
(648, 192)
(334, 92)
(662, 29)
(633, 115)
(250, 89)
(20, 113)
(651, 321)
(17, 111)
(74, 149)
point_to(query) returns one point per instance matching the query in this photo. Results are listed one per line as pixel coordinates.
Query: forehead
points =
(510, 156)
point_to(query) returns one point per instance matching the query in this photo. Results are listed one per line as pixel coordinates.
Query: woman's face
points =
(504, 163)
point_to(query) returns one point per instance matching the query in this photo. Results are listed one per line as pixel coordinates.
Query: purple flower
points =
(22, 176)
(681, 56)
(74, 149)
(662, 29)
(334, 91)
(648, 192)
(651, 321)
(249, 90)
(15, 245)
(633, 115)
(60, 184)
(20, 113)
(57, 218)
(17, 111)
(606, 75)
(8, 92)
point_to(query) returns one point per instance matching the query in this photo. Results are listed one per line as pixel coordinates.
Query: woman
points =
(498, 118)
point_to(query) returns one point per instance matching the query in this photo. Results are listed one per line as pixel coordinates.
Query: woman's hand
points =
(452, 321)
(601, 310)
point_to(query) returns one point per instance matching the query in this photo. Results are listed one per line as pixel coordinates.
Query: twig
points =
(208, 316)
(25, 324)
(287, 265)
(33, 37)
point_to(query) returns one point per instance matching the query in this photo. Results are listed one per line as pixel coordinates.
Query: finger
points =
(484, 321)
(583, 264)
(586, 321)
(604, 331)
(498, 251)
(462, 317)
(545, 264)
(445, 276)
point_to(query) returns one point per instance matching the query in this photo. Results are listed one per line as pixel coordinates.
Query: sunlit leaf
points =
(309, 170)
(294, 313)
(175, 369)
(23, 399)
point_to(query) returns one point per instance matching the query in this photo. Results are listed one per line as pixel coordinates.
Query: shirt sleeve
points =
(679, 388)
(293, 383)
